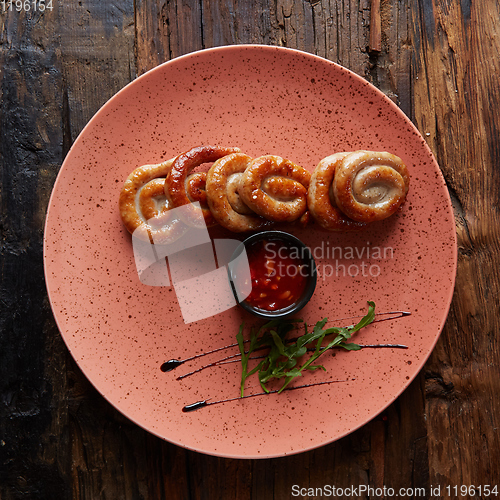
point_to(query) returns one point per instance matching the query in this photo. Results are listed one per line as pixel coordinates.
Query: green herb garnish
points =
(283, 355)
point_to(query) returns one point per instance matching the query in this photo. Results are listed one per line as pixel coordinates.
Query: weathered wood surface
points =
(438, 61)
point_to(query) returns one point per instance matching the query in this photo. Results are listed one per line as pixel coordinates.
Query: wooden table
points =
(438, 60)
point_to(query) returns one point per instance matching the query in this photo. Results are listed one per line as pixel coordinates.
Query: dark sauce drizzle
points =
(231, 359)
(376, 346)
(195, 406)
(223, 361)
(172, 364)
(204, 403)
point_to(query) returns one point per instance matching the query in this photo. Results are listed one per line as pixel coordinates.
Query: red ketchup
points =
(278, 275)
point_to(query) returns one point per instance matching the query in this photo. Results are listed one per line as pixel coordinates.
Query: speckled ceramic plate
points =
(120, 331)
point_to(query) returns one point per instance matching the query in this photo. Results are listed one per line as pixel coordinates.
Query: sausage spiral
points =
(222, 189)
(321, 201)
(275, 188)
(350, 190)
(177, 179)
(346, 192)
(370, 186)
(144, 209)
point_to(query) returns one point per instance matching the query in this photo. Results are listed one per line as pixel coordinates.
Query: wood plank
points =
(390, 68)
(35, 459)
(165, 30)
(97, 58)
(457, 96)
(151, 34)
(375, 27)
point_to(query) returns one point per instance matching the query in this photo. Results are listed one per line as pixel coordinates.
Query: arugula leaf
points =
(283, 354)
(366, 320)
(350, 346)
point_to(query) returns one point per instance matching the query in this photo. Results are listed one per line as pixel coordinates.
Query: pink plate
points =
(265, 100)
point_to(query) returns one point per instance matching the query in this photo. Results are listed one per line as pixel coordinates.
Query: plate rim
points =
(319, 60)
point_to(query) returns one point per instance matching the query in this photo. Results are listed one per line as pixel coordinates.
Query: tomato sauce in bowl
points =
(281, 278)
(277, 273)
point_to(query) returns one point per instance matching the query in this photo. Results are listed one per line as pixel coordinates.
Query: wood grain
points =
(96, 54)
(31, 461)
(456, 101)
(438, 60)
(375, 27)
